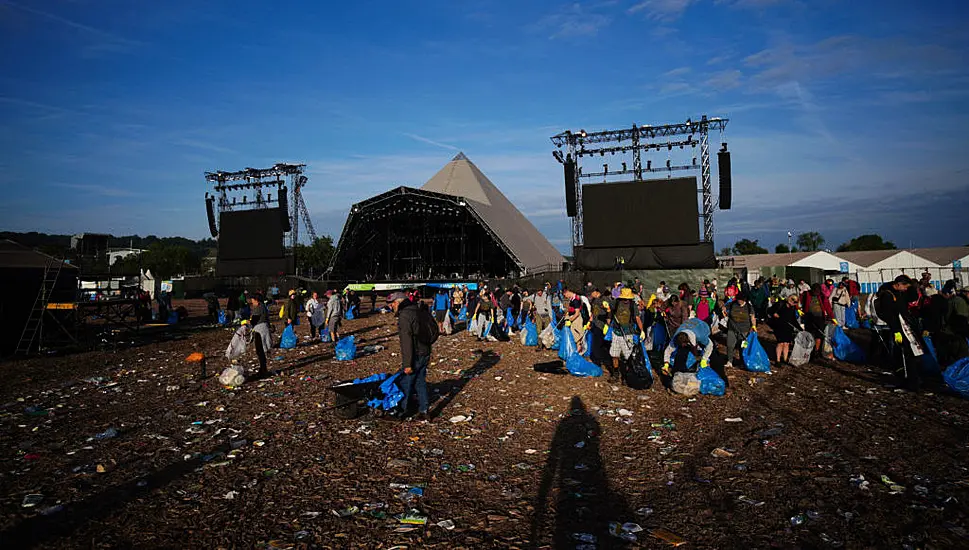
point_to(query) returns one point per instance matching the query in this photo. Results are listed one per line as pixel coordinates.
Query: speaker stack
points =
(210, 210)
(723, 160)
(284, 208)
(570, 183)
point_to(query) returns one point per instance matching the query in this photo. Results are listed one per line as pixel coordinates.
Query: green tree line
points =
(810, 241)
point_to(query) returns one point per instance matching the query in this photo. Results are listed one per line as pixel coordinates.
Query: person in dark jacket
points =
(291, 309)
(259, 320)
(891, 306)
(783, 321)
(415, 355)
(817, 314)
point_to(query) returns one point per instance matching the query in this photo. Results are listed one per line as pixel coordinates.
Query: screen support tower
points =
(228, 184)
(635, 141)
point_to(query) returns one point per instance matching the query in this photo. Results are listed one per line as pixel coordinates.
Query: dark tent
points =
(23, 273)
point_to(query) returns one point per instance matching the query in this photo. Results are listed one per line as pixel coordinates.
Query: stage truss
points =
(636, 141)
(231, 186)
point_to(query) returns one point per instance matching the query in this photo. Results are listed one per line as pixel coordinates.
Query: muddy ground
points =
(542, 460)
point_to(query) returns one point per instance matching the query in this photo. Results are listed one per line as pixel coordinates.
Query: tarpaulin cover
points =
(346, 349)
(710, 382)
(956, 376)
(288, 339)
(755, 358)
(845, 349)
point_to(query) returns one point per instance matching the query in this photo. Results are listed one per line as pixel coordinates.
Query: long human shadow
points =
(450, 389)
(41, 529)
(576, 478)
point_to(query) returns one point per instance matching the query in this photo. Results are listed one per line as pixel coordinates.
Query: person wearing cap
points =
(290, 311)
(334, 314)
(741, 321)
(415, 353)
(788, 290)
(891, 305)
(951, 344)
(626, 325)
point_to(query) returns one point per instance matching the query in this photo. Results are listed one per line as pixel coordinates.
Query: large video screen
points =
(640, 213)
(251, 234)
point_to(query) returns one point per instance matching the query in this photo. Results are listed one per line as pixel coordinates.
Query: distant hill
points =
(59, 245)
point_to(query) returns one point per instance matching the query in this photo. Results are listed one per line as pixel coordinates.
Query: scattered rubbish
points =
(769, 433)
(413, 517)
(644, 511)
(894, 488)
(733, 420)
(580, 445)
(346, 512)
(720, 452)
(32, 500)
(446, 524)
(107, 434)
(588, 538)
(860, 482)
(625, 412)
(530, 451)
(230, 495)
(51, 510)
(747, 500)
(616, 530)
(631, 527)
(668, 537)
(798, 520)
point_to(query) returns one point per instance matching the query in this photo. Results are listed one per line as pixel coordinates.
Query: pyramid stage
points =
(457, 226)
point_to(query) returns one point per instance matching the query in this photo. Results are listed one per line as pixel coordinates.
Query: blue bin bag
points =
(755, 358)
(659, 335)
(608, 336)
(558, 334)
(346, 349)
(580, 366)
(349, 315)
(845, 349)
(172, 318)
(710, 382)
(372, 378)
(957, 376)
(509, 320)
(930, 360)
(325, 335)
(288, 339)
(392, 395)
(588, 343)
(531, 333)
(851, 315)
(463, 313)
(567, 346)
(222, 317)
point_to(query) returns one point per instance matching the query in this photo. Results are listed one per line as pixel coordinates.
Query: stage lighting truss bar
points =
(602, 151)
(633, 171)
(641, 132)
(278, 172)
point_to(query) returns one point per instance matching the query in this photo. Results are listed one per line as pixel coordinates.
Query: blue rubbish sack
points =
(608, 336)
(845, 349)
(659, 335)
(463, 313)
(580, 366)
(588, 344)
(346, 349)
(851, 315)
(755, 358)
(531, 333)
(567, 346)
(956, 376)
(350, 314)
(699, 329)
(392, 394)
(930, 359)
(172, 318)
(222, 317)
(372, 378)
(325, 335)
(288, 339)
(710, 382)
(510, 321)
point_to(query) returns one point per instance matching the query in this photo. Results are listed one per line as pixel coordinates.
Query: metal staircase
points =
(34, 327)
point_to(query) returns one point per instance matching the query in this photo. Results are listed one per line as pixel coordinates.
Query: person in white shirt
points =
(315, 312)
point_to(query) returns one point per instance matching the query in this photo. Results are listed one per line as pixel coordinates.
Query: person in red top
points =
(854, 289)
(817, 313)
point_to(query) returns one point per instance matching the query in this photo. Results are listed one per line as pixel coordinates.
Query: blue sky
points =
(846, 117)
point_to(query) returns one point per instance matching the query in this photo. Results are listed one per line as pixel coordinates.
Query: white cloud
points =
(573, 21)
(661, 10)
(429, 141)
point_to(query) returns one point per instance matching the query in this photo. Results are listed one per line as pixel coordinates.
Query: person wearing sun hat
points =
(626, 324)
